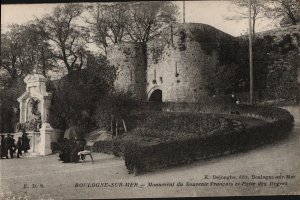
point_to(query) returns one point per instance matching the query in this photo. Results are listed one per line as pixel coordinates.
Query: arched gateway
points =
(156, 96)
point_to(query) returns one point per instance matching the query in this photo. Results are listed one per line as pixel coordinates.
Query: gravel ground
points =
(48, 178)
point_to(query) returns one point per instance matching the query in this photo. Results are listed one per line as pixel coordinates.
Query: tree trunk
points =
(125, 128)
(116, 128)
(111, 126)
(135, 171)
(253, 28)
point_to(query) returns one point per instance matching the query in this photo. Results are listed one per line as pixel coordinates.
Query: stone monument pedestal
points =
(34, 110)
(45, 141)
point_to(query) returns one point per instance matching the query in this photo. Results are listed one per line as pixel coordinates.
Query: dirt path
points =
(48, 178)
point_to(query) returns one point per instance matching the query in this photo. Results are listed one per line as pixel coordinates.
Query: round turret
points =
(130, 60)
(180, 62)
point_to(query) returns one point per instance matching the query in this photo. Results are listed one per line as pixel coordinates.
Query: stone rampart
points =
(129, 58)
(180, 62)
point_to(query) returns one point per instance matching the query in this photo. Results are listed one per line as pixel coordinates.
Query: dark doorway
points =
(155, 100)
(156, 96)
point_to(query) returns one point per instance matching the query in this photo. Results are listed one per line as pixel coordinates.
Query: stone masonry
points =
(177, 63)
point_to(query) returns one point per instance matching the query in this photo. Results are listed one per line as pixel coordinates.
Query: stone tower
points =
(172, 68)
(130, 60)
(180, 62)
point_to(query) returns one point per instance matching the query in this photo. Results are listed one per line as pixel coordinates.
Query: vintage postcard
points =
(150, 99)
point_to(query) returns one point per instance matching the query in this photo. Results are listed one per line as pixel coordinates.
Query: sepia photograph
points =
(149, 99)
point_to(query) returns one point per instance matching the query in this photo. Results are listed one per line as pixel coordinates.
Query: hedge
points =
(108, 146)
(161, 126)
(147, 156)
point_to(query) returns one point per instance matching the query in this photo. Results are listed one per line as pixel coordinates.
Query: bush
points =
(103, 146)
(148, 149)
(114, 107)
(113, 146)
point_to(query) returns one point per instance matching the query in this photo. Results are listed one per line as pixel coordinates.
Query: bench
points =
(85, 153)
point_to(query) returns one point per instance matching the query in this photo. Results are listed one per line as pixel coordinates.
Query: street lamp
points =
(183, 11)
(250, 54)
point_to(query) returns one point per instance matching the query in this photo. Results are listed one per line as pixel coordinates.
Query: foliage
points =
(103, 146)
(147, 154)
(69, 39)
(275, 63)
(14, 56)
(130, 21)
(23, 49)
(39, 49)
(75, 96)
(241, 8)
(167, 126)
(114, 108)
(107, 23)
(222, 79)
(9, 105)
(287, 10)
(261, 60)
(148, 18)
(33, 125)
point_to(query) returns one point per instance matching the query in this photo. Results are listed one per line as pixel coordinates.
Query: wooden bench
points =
(85, 153)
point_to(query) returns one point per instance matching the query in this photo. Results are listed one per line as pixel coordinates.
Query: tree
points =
(39, 49)
(289, 10)
(107, 23)
(23, 50)
(261, 60)
(75, 96)
(68, 38)
(147, 19)
(137, 21)
(15, 59)
(221, 80)
(114, 110)
(9, 105)
(257, 11)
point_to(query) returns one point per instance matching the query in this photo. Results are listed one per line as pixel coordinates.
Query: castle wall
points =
(129, 58)
(180, 65)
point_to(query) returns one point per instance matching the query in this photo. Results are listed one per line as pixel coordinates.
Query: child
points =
(19, 147)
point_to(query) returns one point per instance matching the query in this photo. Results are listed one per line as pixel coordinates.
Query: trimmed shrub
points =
(114, 146)
(147, 149)
(103, 146)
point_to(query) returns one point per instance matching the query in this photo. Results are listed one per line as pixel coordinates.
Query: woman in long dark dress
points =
(25, 142)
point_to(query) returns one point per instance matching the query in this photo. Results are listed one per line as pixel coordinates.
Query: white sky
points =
(208, 12)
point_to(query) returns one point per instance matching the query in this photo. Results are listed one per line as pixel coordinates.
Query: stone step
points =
(31, 154)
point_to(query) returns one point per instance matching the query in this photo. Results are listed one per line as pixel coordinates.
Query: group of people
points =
(9, 145)
(70, 149)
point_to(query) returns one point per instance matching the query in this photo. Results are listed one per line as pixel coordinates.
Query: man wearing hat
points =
(9, 146)
(2, 146)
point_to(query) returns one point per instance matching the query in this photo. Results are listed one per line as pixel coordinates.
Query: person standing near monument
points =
(9, 146)
(14, 147)
(25, 142)
(2, 146)
(19, 147)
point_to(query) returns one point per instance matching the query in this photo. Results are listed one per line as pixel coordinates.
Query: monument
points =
(34, 113)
